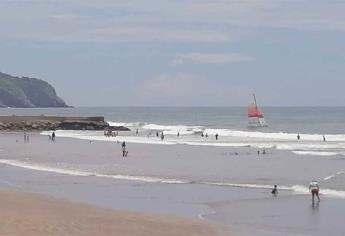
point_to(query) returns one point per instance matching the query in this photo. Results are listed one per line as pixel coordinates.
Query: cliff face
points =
(27, 92)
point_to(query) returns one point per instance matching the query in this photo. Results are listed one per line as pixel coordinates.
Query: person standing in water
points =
(217, 136)
(123, 148)
(53, 136)
(275, 190)
(298, 137)
(162, 136)
(314, 189)
(324, 138)
(178, 134)
(137, 132)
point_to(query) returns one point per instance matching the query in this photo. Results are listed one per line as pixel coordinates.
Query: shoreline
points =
(248, 210)
(34, 214)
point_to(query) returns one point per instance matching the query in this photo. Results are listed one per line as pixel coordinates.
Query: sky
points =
(179, 52)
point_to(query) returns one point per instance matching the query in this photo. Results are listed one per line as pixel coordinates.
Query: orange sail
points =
(253, 111)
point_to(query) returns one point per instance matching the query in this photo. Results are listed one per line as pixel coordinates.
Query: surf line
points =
(298, 189)
(333, 176)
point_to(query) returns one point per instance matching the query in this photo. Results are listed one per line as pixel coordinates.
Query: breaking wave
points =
(309, 145)
(174, 129)
(296, 189)
(244, 134)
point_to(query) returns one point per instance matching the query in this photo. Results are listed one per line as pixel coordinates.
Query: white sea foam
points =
(241, 134)
(280, 136)
(125, 124)
(298, 189)
(333, 176)
(227, 138)
(75, 172)
(85, 135)
(316, 153)
(329, 177)
(174, 129)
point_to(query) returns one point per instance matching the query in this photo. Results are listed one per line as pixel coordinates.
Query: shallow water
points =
(223, 180)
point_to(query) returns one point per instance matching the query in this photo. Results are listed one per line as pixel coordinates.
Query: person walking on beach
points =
(314, 189)
(137, 132)
(24, 137)
(162, 136)
(53, 136)
(275, 190)
(123, 147)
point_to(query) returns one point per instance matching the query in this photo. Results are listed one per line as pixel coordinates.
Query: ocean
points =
(222, 180)
(321, 120)
(230, 123)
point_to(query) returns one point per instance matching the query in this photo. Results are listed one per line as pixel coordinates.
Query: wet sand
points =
(250, 211)
(29, 214)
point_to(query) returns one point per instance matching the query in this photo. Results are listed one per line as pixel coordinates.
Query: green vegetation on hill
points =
(27, 92)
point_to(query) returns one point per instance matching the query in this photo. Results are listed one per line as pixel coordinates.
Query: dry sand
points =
(31, 214)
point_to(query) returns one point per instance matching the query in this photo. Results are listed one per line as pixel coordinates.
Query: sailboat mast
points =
(256, 105)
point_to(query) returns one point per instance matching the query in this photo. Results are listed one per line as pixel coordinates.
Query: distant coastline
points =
(24, 92)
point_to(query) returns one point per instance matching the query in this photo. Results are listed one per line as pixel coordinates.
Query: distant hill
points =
(27, 92)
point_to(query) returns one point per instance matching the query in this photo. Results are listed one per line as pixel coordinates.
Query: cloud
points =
(177, 85)
(176, 90)
(215, 21)
(210, 58)
(186, 89)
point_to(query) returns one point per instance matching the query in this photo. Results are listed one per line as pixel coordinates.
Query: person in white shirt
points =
(314, 189)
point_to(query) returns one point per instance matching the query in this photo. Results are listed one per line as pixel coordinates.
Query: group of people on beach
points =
(110, 133)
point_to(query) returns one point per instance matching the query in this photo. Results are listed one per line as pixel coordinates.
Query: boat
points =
(256, 117)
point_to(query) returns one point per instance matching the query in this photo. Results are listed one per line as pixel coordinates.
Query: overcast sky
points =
(179, 52)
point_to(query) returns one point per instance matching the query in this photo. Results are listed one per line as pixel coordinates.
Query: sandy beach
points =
(31, 214)
(183, 183)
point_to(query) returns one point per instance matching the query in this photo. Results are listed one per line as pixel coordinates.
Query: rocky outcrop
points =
(27, 92)
(41, 123)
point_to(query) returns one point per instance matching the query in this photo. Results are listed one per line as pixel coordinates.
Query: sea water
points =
(290, 163)
(230, 123)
